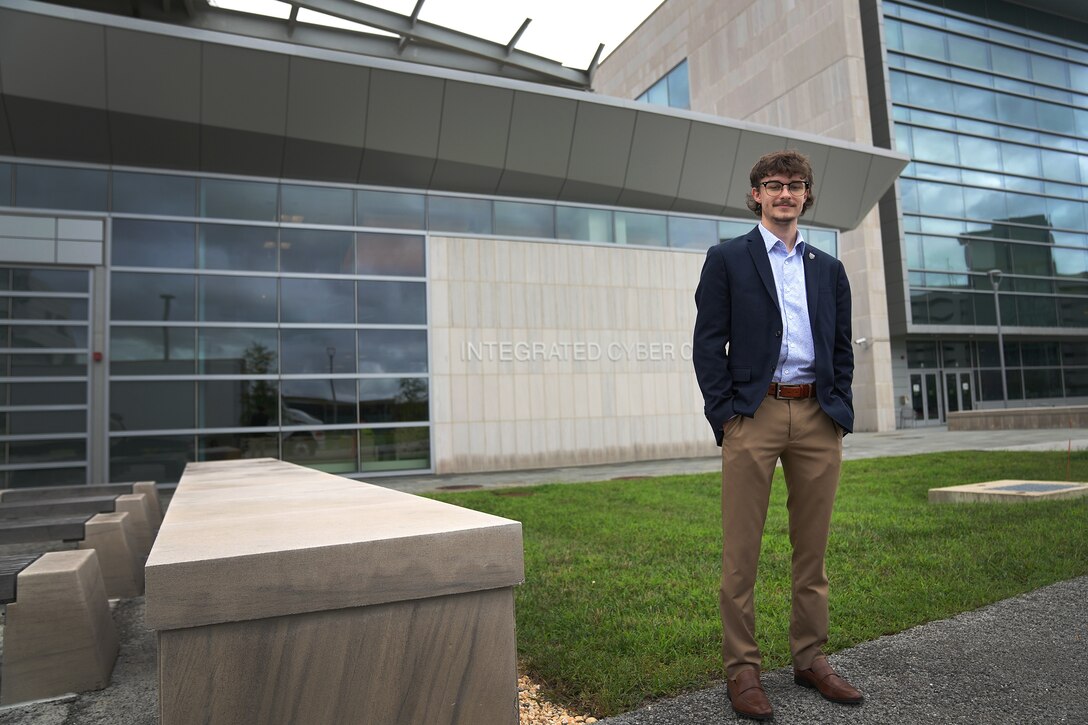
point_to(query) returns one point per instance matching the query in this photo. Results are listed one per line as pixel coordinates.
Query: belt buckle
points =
(778, 392)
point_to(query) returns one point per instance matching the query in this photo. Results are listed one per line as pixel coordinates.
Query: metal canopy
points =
(86, 86)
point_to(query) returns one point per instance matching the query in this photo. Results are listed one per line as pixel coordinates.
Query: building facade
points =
(223, 237)
(989, 99)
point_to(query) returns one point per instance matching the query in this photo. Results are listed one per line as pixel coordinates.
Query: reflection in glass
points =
(56, 187)
(34, 365)
(586, 225)
(37, 422)
(43, 393)
(150, 405)
(141, 243)
(69, 475)
(332, 451)
(392, 303)
(731, 230)
(316, 205)
(393, 400)
(689, 233)
(641, 229)
(227, 199)
(154, 194)
(142, 296)
(317, 251)
(392, 351)
(455, 214)
(150, 458)
(151, 350)
(230, 446)
(42, 336)
(238, 351)
(519, 219)
(394, 449)
(43, 308)
(238, 299)
(237, 403)
(390, 254)
(5, 185)
(390, 209)
(317, 300)
(318, 351)
(22, 279)
(225, 246)
(317, 402)
(55, 451)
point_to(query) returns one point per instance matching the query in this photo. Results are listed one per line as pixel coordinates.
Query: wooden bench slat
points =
(57, 528)
(10, 568)
(57, 507)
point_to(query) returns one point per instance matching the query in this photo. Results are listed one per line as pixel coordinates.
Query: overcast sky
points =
(564, 30)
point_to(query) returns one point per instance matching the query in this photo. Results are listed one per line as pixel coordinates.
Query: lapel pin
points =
(811, 255)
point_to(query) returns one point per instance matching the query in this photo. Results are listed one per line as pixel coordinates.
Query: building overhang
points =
(84, 86)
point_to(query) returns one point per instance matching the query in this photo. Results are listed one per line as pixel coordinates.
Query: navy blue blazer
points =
(738, 306)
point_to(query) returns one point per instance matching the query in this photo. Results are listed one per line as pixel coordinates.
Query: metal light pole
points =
(995, 280)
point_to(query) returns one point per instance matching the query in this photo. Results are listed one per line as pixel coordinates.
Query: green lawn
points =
(620, 599)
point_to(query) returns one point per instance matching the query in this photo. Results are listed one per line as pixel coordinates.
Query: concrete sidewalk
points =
(1018, 661)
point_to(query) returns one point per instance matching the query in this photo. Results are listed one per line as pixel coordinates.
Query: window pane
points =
(37, 422)
(394, 449)
(1039, 354)
(587, 225)
(731, 230)
(139, 243)
(317, 402)
(934, 146)
(1028, 259)
(658, 93)
(968, 52)
(50, 364)
(43, 280)
(679, 91)
(43, 308)
(43, 336)
(1076, 382)
(318, 351)
(392, 303)
(139, 296)
(152, 350)
(390, 254)
(154, 194)
(941, 199)
(316, 251)
(55, 187)
(980, 153)
(238, 351)
(641, 229)
(923, 41)
(944, 253)
(43, 393)
(984, 204)
(524, 220)
(332, 451)
(1045, 383)
(317, 300)
(392, 351)
(238, 299)
(231, 446)
(5, 184)
(67, 476)
(56, 451)
(226, 199)
(225, 246)
(172, 408)
(951, 308)
(1013, 109)
(1010, 62)
(316, 205)
(157, 458)
(234, 403)
(1035, 311)
(393, 400)
(452, 214)
(688, 233)
(390, 209)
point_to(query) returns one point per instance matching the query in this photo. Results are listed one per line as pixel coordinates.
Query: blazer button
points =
(778, 333)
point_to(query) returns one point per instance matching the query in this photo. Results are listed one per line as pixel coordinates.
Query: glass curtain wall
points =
(995, 120)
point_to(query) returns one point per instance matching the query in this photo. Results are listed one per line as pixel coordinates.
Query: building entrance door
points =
(925, 398)
(958, 392)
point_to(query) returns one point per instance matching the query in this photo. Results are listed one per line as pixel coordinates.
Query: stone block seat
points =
(59, 636)
(39, 493)
(280, 594)
(112, 535)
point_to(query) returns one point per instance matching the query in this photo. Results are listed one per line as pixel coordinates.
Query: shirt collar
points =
(769, 239)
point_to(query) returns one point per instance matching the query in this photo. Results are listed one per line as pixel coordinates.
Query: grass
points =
(620, 600)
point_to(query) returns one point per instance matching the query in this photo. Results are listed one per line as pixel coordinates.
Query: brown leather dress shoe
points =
(747, 696)
(823, 678)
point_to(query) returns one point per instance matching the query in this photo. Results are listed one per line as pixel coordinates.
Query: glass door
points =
(44, 357)
(958, 392)
(925, 398)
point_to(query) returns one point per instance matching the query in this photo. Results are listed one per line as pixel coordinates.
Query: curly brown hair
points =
(790, 163)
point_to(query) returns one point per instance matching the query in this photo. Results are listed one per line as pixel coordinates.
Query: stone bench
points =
(38, 493)
(112, 535)
(59, 636)
(280, 594)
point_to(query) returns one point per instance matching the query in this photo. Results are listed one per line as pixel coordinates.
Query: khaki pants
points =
(809, 444)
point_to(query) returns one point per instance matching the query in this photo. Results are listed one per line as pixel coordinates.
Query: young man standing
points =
(773, 357)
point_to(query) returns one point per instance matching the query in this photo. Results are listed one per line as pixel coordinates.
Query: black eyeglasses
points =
(775, 187)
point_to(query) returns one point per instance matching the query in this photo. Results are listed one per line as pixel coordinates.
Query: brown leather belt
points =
(792, 392)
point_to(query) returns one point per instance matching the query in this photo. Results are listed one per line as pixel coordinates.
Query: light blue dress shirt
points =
(796, 360)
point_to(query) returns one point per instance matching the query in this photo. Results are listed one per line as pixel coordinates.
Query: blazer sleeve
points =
(843, 350)
(712, 333)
